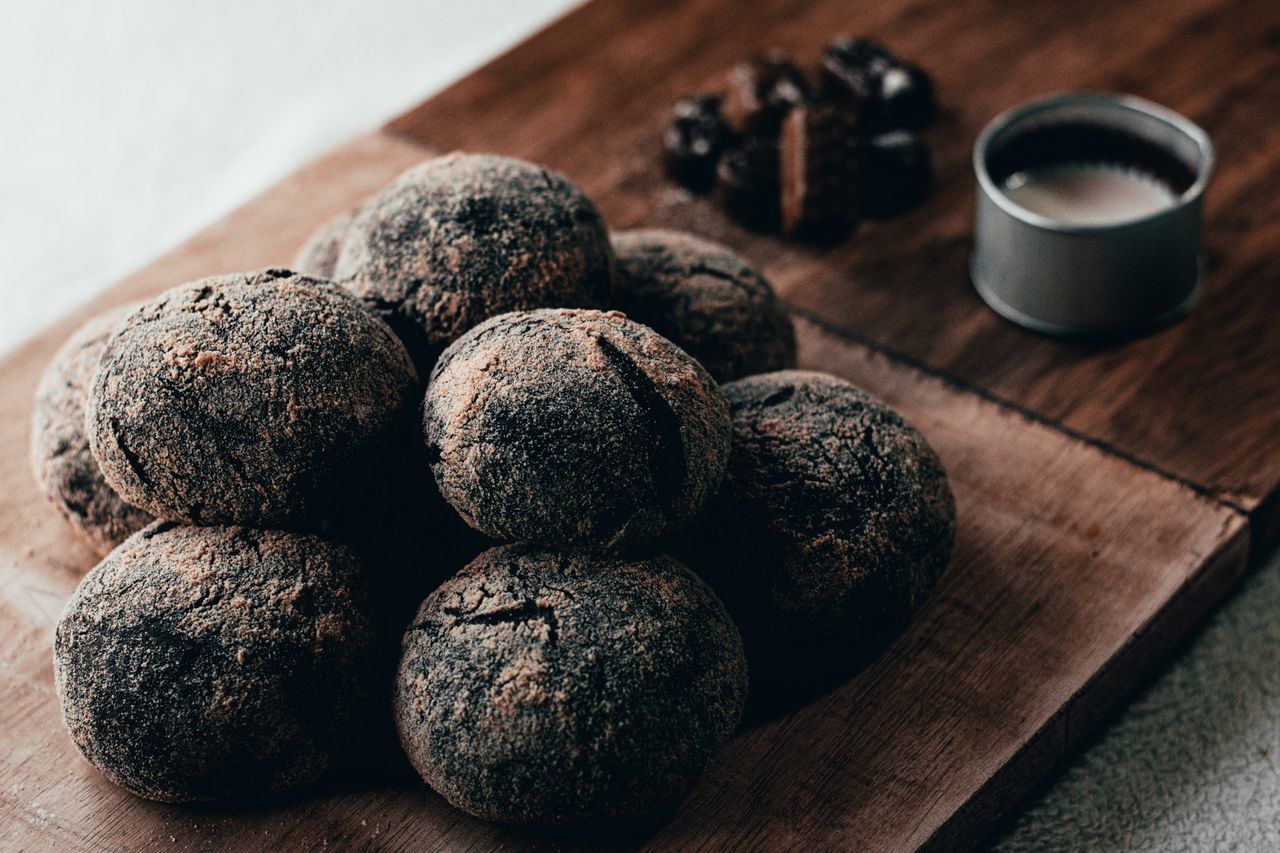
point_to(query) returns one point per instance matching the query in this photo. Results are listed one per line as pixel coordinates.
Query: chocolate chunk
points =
(747, 184)
(851, 68)
(761, 92)
(896, 174)
(552, 687)
(893, 95)
(694, 140)
(819, 172)
(904, 100)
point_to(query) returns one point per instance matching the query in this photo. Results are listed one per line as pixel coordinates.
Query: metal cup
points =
(1064, 278)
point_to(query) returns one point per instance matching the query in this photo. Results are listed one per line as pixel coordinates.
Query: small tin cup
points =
(1117, 277)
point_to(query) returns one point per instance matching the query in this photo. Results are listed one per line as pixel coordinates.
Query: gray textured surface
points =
(1192, 764)
(129, 125)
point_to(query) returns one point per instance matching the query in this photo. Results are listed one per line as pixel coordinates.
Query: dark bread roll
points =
(574, 427)
(215, 663)
(266, 398)
(462, 238)
(834, 522)
(60, 456)
(704, 298)
(553, 687)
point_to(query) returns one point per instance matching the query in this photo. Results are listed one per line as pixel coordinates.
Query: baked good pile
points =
(540, 497)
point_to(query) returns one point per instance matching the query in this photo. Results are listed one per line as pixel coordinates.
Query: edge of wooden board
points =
(283, 217)
(1208, 579)
(1107, 693)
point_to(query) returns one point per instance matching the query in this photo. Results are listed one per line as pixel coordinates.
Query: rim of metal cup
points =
(1011, 119)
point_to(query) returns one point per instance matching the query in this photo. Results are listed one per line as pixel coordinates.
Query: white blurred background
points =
(127, 125)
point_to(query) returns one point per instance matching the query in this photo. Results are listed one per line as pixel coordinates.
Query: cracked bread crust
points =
(268, 398)
(705, 299)
(550, 687)
(834, 522)
(213, 663)
(574, 427)
(63, 464)
(464, 237)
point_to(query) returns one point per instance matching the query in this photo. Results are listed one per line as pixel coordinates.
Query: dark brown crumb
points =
(64, 467)
(706, 299)
(818, 172)
(761, 91)
(834, 522)
(212, 663)
(549, 687)
(462, 238)
(319, 255)
(268, 398)
(574, 427)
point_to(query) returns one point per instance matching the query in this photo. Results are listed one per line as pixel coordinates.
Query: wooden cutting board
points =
(1107, 495)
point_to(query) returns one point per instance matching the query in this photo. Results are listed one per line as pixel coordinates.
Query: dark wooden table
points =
(1107, 494)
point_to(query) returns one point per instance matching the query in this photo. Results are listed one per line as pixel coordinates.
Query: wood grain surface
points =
(1199, 401)
(1074, 569)
(1106, 495)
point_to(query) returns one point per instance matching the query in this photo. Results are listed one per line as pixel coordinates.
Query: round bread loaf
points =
(705, 299)
(268, 399)
(833, 524)
(212, 663)
(64, 466)
(574, 427)
(462, 238)
(552, 687)
(319, 255)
